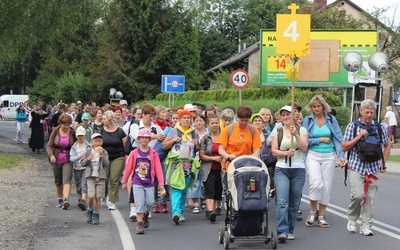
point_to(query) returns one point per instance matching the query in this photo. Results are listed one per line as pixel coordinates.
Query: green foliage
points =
(8, 161)
(71, 87)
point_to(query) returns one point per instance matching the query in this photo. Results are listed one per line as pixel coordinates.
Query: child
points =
(96, 160)
(86, 125)
(144, 166)
(77, 155)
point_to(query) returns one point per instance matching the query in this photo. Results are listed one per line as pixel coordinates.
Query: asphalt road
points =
(68, 229)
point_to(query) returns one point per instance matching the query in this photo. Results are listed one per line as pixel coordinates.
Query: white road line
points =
(343, 214)
(124, 233)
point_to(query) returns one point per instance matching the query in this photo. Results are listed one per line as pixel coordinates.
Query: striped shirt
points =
(355, 163)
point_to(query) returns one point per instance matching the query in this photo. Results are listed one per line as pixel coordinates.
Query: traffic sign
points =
(240, 78)
(292, 32)
(172, 83)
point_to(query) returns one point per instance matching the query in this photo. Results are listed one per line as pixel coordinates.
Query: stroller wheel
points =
(274, 240)
(221, 232)
(226, 240)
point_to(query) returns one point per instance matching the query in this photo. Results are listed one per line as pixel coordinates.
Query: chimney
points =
(320, 3)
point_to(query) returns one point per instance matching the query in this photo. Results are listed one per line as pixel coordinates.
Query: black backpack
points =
(369, 147)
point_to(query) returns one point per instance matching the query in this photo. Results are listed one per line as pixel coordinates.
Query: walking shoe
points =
(203, 204)
(218, 211)
(60, 203)
(272, 193)
(212, 216)
(149, 215)
(182, 219)
(164, 207)
(156, 208)
(322, 222)
(282, 237)
(96, 218)
(175, 219)
(299, 216)
(310, 219)
(133, 215)
(103, 202)
(351, 226)
(111, 206)
(366, 232)
(65, 205)
(196, 210)
(291, 237)
(139, 228)
(146, 219)
(82, 204)
(89, 215)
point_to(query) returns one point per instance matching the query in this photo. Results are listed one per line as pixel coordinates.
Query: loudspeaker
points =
(112, 92)
(378, 61)
(352, 61)
(118, 95)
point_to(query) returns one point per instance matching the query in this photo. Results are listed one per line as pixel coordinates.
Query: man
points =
(363, 174)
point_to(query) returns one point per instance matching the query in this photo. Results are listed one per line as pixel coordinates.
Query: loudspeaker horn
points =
(112, 92)
(378, 61)
(119, 95)
(352, 61)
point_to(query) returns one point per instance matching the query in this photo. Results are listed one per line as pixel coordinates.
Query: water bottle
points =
(252, 184)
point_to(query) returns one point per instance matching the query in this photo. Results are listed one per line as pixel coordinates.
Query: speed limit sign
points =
(240, 78)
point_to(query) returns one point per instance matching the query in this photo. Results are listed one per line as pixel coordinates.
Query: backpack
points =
(162, 153)
(266, 151)
(230, 128)
(128, 147)
(369, 147)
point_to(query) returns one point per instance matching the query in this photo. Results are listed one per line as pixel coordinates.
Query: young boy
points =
(95, 161)
(86, 125)
(77, 155)
(144, 166)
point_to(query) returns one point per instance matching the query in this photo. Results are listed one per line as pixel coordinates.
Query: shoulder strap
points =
(348, 154)
(280, 137)
(251, 130)
(230, 128)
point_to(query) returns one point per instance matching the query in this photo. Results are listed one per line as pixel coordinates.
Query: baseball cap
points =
(144, 132)
(78, 102)
(254, 116)
(189, 107)
(95, 135)
(85, 116)
(286, 108)
(123, 102)
(80, 131)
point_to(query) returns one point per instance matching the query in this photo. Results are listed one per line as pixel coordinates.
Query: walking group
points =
(167, 159)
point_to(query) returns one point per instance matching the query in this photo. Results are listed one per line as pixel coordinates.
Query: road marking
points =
(124, 233)
(343, 213)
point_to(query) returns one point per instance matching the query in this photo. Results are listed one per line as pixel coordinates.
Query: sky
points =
(368, 5)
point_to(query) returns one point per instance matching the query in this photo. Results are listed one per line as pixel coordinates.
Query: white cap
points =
(78, 102)
(80, 131)
(189, 107)
(123, 102)
(286, 108)
(96, 135)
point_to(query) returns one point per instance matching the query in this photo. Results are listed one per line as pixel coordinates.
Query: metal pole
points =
(240, 97)
(293, 122)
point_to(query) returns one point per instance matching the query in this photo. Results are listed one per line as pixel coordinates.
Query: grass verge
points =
(395, 158)
(7, 161)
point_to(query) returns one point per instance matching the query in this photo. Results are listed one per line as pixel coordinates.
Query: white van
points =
(9, 104)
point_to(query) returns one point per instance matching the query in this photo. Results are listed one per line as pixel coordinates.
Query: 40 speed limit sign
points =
(240, 78)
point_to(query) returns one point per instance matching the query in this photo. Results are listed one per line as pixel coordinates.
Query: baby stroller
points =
(246, 201)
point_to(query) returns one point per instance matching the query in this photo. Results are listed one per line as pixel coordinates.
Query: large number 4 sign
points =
(292, 32)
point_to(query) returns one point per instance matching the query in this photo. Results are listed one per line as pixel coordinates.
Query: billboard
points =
(323, 66)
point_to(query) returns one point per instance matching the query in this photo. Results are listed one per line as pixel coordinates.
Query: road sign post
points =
(240, 79)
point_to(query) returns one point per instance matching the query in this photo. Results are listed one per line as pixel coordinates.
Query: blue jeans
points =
(289, 184)
(178, 198)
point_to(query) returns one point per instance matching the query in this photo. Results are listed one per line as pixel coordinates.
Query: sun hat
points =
(285, 108)
(80, 131)
(95, 135)
(144, 132)
(254, 116)
(85, 116)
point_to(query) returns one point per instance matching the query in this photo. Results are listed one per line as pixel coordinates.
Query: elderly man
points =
(364, 173)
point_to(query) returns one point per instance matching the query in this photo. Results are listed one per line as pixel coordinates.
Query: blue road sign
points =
(172, 84)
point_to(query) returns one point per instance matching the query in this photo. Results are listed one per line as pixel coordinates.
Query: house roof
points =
(237, 57)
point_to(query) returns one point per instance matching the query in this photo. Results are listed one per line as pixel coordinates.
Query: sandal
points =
(322, 222)
(196, 210)
(310, 220)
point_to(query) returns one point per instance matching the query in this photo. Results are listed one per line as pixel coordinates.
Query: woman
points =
(114, 139)
(36, 142)
(324, 149)
(118, 116)
(181, 164)
(289, 172)
(194, 193)
(268, 120)
(60, 142)
(137, 113)
(210, 169)
(390, 119)
(161, 117)
(98, 125)
(21, 120)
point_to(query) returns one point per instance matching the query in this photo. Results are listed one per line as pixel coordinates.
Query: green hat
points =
(254, 116)
(85, 116)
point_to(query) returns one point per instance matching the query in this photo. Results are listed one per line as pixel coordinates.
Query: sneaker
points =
(291, 237)
(96, 218)
(196, 210)
(156, 208)
(111, 206)
(65, 205)
(103, 202)
(218, 211)
(146, 219)
(351, 226)
(139, 228)
(82, 205)
(164, 207)
(272, 193)
(212, 216)
(299, 216)
(366, 232)
(175, 219)
(203, 204)
(282, 237)
(149, 215)
(182, 219)
(89, 216)
(60, 203)
(133, 215)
